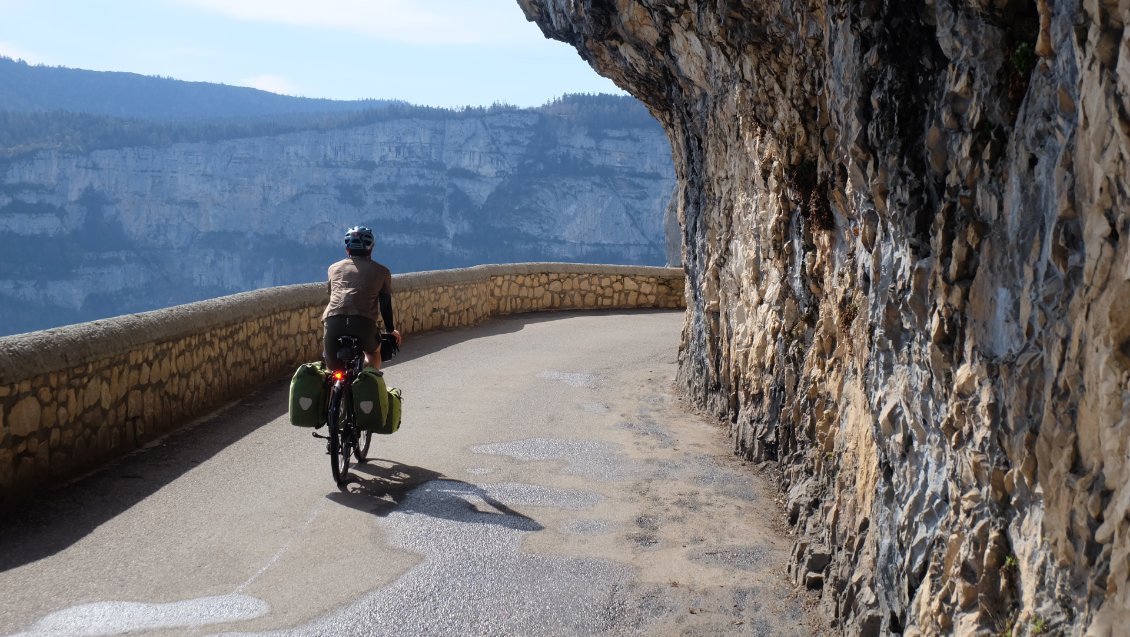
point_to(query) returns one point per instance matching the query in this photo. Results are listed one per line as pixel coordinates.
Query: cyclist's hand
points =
(396, 333)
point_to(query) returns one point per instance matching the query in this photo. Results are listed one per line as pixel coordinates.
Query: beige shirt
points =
(355, 284)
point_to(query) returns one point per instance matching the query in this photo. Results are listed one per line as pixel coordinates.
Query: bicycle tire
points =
(361, 448)
(339, 443)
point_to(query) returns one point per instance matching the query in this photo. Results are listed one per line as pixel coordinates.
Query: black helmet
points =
(359, 239)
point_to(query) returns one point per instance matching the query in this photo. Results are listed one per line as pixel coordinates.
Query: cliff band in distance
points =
(906, 238)
(121, 222)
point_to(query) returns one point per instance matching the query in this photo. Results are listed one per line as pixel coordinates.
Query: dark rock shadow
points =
(382, 486)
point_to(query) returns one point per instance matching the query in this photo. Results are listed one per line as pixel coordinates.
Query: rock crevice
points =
(904, 229)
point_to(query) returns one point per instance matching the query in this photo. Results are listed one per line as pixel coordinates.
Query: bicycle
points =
(345, 437)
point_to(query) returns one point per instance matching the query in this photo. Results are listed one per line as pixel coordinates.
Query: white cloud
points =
(409, 21)
(271, 83)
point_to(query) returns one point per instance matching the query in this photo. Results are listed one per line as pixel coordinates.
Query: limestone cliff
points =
(93, 233)
(906, 232)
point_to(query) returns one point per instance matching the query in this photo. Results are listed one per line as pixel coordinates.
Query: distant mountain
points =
(26, 88)
(102, 215)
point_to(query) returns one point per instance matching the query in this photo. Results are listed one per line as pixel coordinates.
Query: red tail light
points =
(339, 375)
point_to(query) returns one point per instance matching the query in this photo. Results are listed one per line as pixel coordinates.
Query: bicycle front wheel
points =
(339, 442)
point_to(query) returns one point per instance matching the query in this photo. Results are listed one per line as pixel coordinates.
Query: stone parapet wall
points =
(74, 397)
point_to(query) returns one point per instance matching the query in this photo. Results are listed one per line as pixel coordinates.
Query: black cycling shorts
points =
(348, 325)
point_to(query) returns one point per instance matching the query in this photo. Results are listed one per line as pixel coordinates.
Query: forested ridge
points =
(81, 111)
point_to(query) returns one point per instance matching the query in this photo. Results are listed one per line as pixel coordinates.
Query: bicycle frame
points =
(344, 437)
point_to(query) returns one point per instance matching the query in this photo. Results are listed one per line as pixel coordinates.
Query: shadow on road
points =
(381, 487)
(53, 521)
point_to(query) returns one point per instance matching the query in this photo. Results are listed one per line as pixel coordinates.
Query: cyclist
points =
(360, 289)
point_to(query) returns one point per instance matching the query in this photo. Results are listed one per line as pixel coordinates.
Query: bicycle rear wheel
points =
(339, 442)
(361, 449)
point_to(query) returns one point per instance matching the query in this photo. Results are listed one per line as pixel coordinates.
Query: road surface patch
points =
(116, 618)
(589, 458)
(573, 379)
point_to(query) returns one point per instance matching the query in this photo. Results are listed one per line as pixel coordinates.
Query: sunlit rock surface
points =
(906, 234)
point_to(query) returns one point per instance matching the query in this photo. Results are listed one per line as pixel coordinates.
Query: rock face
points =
(86, 235)
(907, 241)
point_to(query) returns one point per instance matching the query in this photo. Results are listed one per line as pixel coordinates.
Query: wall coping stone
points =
(36, 353)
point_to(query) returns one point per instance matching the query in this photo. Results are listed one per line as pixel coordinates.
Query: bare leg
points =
(373, 359)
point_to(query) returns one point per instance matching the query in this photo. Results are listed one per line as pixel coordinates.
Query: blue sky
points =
(434, 52)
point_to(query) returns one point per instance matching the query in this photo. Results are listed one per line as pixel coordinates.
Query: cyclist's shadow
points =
(383, 486)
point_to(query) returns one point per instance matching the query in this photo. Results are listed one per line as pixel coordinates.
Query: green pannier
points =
(308, 395)
(370, 400)
(392, 420)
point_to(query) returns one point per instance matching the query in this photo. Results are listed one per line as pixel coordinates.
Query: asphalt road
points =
(547, 480)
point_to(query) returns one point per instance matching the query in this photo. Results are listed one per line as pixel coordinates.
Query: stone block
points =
(92, 394)
(150, 406)
(24, 473)
(60, 463)
(116, 388)
(7, 468)
(133, 403)
(43, 460)
(82, 447)
(24, 417)
(104, 395)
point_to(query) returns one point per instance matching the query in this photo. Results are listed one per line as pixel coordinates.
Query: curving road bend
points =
(546, 481)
